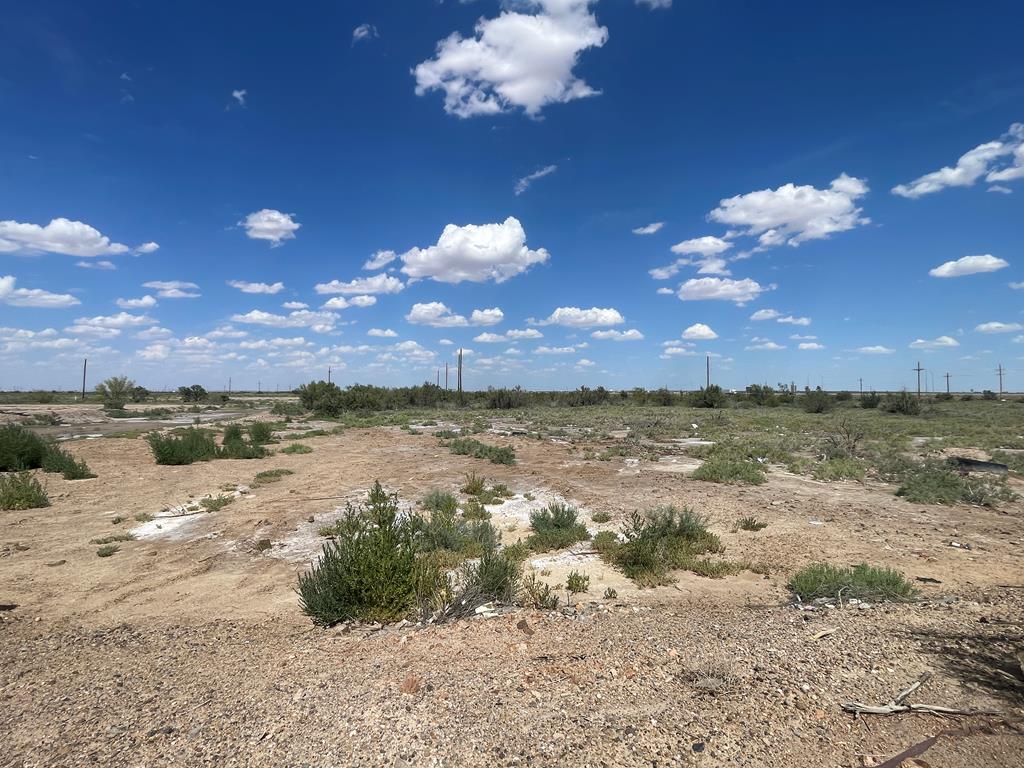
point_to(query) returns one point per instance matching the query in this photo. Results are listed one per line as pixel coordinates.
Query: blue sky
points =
(575, 192)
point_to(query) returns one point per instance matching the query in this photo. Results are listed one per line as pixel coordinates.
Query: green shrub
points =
(721, 469)
(193, 394)
(215, 503)
(234, 445)
(493, 577)
(261, 433)
(20, 490)
(605, 542)
(901, 402)
(112, 539)
(862, 582)
(935, 483)
(371, 570)
(296, 448)
(870, 401)
(270, 476)
(115, 392)
(467, 446)
(321, 397)
(474, 484)
(555, 527)
(56, 459)
(577, 582)
(610, 593)
(816, 401)
(21, 449)
(537, 594)
(751, 524)
(474, 510)
(440, 501)
(601, 516)
(838, 469)
(711, 397)
(185, 448)
(287, 409)
(107, 550)
(660, 540)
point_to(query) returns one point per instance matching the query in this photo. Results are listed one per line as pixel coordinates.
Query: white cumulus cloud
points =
(63, 236)
(969, 265)
(721, 288)
(174, 289)
(143, 302)
(247, 287)
(575, 317)
(700, 331)
(937, 343)
(997, 327)
(474, 253)
(381, 283)
(516, 60)
(382, 333)
(614, 335)
(13, 296)
(999, 160)
(875, 349)
(437, 315)
(321, 322)
(270, 225)
(793, 214)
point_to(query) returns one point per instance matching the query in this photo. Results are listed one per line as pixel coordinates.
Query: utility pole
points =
(229, 385)
(460, 375)
(918, 369)
(1000, 371)
(861, 381)
(85, 365)
(707, 377)
(446, 377)
(438, 378)
(328, 374)
(947, 383)
(259, 387)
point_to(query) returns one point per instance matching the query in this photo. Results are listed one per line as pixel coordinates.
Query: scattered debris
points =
(898, 704)
(964, 464)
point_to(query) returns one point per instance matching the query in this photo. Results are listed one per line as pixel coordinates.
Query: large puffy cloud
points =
(381, 283)
(937, 343)
(247, 287)
(13, 296)
(321, 322)
(340, 302)
(795, 214)
(524, 333)
(476, 253)
(437, 315)
(969, 265)
(517, 60)
(725, 289)
(999, 160)
(71, 238)
(270, 225)
(575, 317)
(700, 331)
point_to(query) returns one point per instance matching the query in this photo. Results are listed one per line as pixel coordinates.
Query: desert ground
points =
(188, 646)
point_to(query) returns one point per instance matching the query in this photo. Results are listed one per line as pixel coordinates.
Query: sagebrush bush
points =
(735, 471)
(56, 459)
(538, 594)
(710, 397)
(663, 539)
(189, 446)
(474, 484)
(870, 401)
(863, 582)
(234, 445)
(467, 446)
(296, 448)
(440, 501)
(838, 469)
(816, 401)
(287, 409)
(371, 570)
(577, 582)
(20, 490)
(934, 483)
(261, 433)
(493, 577)
(751, 524)
(555, 527)
(270, 476)
(901, 402)
(601, 516)
(20, 449)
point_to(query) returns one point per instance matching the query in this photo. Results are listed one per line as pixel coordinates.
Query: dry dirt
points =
(187, 646)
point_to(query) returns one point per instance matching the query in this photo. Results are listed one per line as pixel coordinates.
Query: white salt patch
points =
(169, 526)
(563, 558)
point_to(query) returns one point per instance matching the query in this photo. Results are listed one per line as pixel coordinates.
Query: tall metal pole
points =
(85, 365)
(1000, 371)
(861, 380)
(446, 377)
(328, 374)
(947, 383)
(918, 369)
(708, 375)
(460, 375)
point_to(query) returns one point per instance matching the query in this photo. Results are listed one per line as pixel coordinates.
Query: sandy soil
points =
(187, 647)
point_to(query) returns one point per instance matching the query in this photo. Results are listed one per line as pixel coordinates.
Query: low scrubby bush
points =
(21, 449)
(261, 433)
(751, 524)
(555, 527)
(935, 483)
(735, 471)
(189, 446)
(577, 582)
(493, 577)
(296, 448)
(56, 459)
(661, 540)
(863, 582)
(467, 446)
(710, 397)
(20, 490)
(816, 401)
(538, 594)
(371, 571)
(870, 401)
(838, 469)
(287, 409)
(440, 501)
(901, 402)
